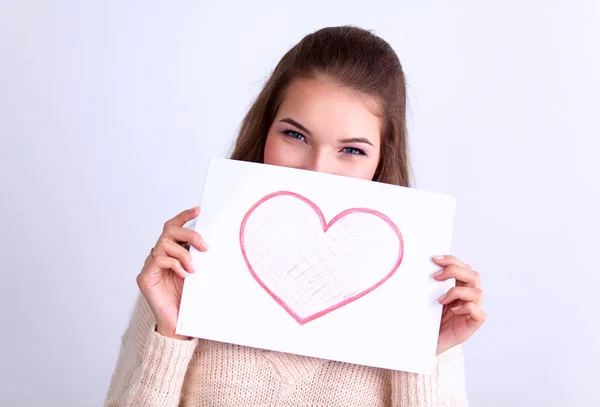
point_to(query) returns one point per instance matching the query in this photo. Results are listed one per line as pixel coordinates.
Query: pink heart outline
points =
(325, 226)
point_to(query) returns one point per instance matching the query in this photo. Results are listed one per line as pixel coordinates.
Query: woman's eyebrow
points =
(356, 140)
(296, 124)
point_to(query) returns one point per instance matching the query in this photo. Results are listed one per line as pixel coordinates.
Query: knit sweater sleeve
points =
(445, 387)
(150, 368)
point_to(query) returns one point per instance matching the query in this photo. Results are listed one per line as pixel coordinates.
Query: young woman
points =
(335, 103)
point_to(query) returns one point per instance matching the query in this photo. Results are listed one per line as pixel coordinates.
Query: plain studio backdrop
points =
(109, 112)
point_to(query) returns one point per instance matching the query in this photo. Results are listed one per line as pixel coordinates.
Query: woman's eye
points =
(353, 151)
(294, 135)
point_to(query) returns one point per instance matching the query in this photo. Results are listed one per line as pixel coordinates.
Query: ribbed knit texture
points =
(153, 370)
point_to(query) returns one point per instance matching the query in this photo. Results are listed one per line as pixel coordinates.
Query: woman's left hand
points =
(462, 314)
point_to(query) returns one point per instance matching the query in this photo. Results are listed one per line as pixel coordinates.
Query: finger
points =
(165, 262)
(175, 250)
(180, 234)
(447, 260)
(455, 303)
(183, 217)
(467, 294)
(465, 276)
(476, 314)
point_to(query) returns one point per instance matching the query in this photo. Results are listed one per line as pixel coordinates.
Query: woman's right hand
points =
(161, 278)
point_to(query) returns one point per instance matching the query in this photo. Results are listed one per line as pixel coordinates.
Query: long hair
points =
(354, 58)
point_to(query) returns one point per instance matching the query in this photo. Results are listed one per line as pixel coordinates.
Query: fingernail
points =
(184, 271)
(203, 244)
(456, 308)
(441, 298)
(438, 273)
(438, 257)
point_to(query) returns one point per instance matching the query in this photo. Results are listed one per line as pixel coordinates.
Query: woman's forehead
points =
(322, 106)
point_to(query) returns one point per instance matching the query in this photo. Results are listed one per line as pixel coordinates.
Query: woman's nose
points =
(320, 162)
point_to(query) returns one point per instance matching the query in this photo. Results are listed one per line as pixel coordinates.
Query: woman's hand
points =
(462, 314)
(161, 278)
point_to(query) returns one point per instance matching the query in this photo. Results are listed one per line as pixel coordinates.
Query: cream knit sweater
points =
(153, 370)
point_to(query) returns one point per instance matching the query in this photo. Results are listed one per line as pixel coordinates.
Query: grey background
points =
(110, 110)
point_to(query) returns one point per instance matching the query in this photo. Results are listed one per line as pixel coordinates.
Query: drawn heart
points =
(311, 267)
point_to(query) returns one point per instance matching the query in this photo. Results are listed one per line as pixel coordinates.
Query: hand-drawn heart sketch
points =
(310, 266)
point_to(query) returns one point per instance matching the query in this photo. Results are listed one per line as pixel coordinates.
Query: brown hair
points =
(354, 58)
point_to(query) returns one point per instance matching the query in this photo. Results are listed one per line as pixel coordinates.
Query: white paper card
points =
(318, 265)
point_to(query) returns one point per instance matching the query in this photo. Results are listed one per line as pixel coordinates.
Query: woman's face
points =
(323, 127)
